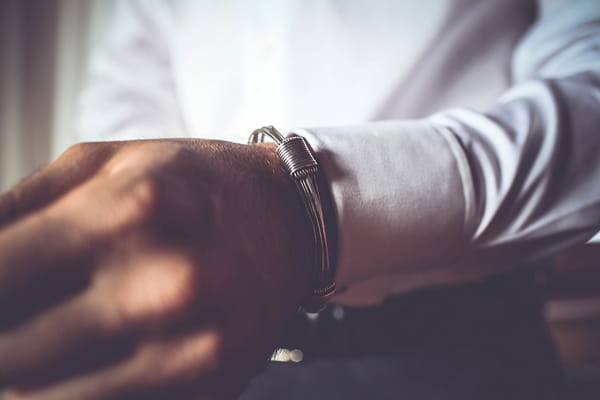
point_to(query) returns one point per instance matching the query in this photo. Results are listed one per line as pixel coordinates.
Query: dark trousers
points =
(483, 341)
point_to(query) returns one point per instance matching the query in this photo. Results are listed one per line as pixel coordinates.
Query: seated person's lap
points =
(480, 341)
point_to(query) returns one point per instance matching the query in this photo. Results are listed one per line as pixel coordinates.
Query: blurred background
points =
(44, 48)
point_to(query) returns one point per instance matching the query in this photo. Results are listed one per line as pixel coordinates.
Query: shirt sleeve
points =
(130, 92)
(462, 195)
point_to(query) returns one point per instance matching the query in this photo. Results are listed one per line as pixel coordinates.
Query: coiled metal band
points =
(300, 163)
(296, 156)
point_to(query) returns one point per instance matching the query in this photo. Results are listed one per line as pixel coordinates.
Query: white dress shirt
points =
(486, 156)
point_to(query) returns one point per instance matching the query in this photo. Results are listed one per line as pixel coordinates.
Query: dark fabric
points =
(480, 341)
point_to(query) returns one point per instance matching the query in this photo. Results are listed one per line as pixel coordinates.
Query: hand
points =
(148, 270)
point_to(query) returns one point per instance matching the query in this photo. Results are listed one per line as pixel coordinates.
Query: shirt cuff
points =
(403, 198)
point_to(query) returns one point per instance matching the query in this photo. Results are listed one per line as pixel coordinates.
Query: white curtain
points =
(44, 48)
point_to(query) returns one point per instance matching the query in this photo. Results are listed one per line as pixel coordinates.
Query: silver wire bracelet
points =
(300, 163)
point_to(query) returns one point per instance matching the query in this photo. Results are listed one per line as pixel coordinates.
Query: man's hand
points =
(148, 270)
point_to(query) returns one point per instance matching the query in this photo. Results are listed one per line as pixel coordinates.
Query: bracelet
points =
(300, 163)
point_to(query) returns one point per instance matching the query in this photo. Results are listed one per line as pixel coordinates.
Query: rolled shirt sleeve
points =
(463, 194)
(400, 200)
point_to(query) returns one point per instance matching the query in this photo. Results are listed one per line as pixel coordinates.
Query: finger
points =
(165, 368)
(42, 292)
(66, 234)
(98, 325)
(68, 338)
(75, 166)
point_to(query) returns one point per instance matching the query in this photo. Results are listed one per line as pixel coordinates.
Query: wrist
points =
(296, 238)
(302, 167)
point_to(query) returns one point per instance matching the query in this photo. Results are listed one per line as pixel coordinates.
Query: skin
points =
(148, 270)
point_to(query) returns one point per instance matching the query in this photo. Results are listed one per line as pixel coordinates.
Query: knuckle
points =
(208, 352)
(154, 291)
(96, 319)
(78, 149)
(176, 289)
(214, 355)
(85, 159)
(145, 196)
(140, 200)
